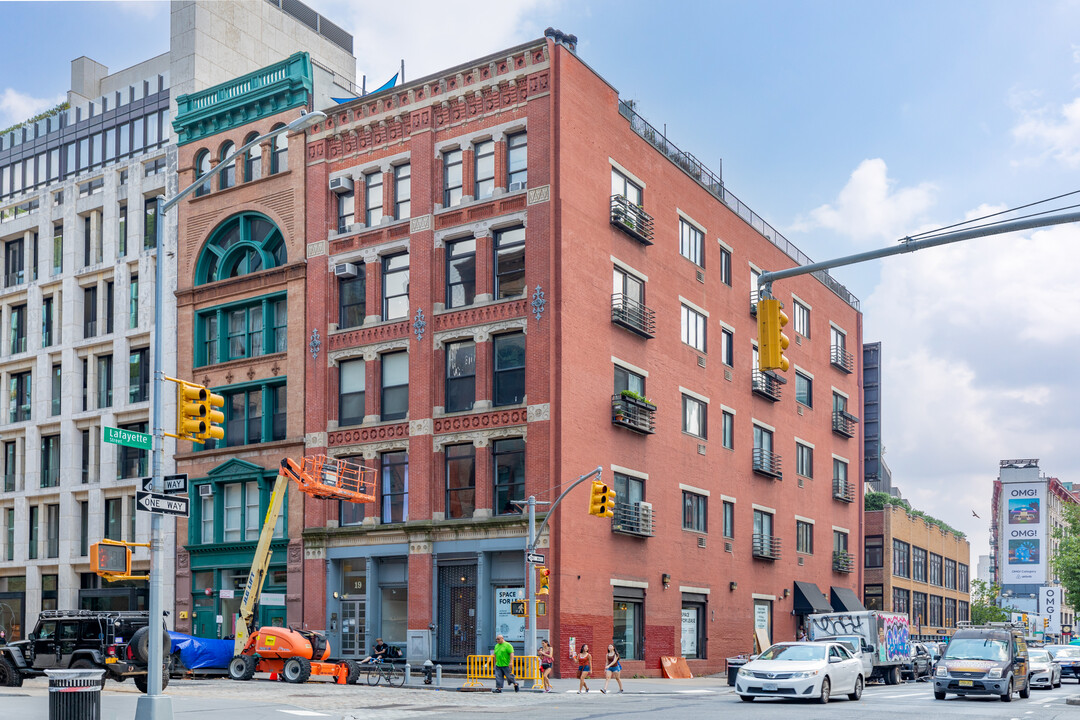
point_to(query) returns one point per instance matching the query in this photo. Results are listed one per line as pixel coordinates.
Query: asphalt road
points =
(701, 698)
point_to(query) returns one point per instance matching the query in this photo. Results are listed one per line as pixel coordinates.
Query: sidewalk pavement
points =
(639, 686)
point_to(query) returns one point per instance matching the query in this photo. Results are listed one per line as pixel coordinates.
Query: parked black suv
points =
(117, 642)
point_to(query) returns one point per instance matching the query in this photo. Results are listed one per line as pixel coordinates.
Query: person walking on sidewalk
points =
(613, 668)
(584, 663)
(504, 664)
(547, 657)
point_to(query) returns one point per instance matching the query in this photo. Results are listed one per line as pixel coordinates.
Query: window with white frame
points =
(804, 460)
(622, 185)
(727, 347)
(804, 389)
(695, 413)
(728, 429)
(693, 328)
(691, 243)
(802, 318)
(725, 266)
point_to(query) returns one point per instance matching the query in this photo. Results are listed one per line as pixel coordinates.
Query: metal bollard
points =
(408, 674)
(75, 694)
(438, 676)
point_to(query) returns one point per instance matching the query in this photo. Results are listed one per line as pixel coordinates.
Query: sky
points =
(848, 125)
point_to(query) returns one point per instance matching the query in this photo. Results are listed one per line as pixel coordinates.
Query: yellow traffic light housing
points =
(601, 500)
(545, 578)
(190, 411)
(771, 340)
(215, 417)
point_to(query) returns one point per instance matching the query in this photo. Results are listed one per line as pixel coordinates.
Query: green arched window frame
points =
(245, 243)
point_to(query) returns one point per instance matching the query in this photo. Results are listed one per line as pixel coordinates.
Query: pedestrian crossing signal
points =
(518, 608)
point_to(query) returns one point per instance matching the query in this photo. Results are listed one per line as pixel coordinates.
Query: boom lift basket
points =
(332, 479)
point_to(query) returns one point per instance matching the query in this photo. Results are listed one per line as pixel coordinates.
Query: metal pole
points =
(530, 581)
(908, 245)
(154, 705)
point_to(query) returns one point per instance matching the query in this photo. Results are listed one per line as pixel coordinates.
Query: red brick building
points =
(495, 253)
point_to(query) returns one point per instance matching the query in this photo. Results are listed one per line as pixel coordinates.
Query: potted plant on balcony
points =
(638, 398)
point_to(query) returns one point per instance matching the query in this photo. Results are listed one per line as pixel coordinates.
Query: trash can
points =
(733, 665)
(75, 694)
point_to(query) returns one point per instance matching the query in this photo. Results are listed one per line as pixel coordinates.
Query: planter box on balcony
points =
(631, 219)
(632, 414)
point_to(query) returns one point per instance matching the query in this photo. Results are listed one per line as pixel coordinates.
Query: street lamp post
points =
(155, 705)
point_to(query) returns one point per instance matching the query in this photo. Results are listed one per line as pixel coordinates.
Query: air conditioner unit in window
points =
(516, 186)
(645, 517)
(341, 185)
(206, 490)
(345, 270)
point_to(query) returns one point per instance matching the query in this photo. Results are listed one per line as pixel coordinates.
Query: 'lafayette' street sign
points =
(130, 438)
(162, 504)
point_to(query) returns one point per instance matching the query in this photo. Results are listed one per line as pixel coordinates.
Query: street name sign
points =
(129, 438)
(534, 558)
(162, 504)
(174, 484)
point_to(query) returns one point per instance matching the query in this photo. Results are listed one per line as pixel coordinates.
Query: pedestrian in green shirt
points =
(504, 663)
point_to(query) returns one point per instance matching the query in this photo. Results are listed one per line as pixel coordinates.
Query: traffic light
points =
(771, 340)
(545, 577)
(602, 500)
(215, 418)
(190, 411)
(109, 559)
(1046, 623)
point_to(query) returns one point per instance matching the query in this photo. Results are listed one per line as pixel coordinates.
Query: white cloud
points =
(978, 345)
(870, 207)
(141, 9)
(430, 35)
(15, 107)
(1054, 133)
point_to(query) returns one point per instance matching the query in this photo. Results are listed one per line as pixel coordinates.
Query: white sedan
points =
(801, 670)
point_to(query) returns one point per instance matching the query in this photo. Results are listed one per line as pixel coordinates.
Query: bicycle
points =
(379, 670)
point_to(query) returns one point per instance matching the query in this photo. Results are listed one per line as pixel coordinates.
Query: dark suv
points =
(117, 642)
(985, 660)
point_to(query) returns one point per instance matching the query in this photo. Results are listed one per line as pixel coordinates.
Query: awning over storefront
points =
(845, 600)
(809, 599)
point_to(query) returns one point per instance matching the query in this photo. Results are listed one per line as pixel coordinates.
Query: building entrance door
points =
(457, 611)
(205, 623)
(353, 641)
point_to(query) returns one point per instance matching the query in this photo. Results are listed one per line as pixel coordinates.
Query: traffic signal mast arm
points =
(765, 280)
(540, 531)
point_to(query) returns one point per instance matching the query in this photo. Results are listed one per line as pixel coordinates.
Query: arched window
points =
(252, 160)
(279, 158)
(202, 166)
(245, 243)
(228, 175)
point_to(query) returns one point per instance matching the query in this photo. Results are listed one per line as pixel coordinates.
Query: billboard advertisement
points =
(1023, 531)
(1050, 607)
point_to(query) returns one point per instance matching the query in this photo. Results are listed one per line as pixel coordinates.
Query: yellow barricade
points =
(482, 667)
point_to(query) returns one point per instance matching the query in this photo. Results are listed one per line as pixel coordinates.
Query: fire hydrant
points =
(429, 668)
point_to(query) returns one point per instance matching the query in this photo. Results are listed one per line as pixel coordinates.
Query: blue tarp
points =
(197, 652)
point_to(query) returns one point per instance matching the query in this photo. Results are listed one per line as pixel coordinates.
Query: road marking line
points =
(693, 692)
(304, 713)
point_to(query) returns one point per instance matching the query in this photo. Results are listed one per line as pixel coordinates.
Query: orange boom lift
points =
(295, 655)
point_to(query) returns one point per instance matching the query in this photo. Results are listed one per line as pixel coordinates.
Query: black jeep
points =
(116, 642)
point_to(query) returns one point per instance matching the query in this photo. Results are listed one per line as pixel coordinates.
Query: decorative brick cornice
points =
(360, 435)
(482, 211)
(370, 237)
(265, 281)
(478, 315)
(480, 421)
(368, 335)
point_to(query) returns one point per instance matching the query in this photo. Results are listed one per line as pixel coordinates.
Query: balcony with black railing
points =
(843, 561)
(766, 385)
(843, 490)
(842, 359)
(631, 219)
(766, 547)
(767, 463)
(633, 519)
(632, 315)
(843, 423)
(633, 414)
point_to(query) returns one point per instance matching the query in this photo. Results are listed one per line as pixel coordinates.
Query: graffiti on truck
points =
(896, 640)
(834, 625)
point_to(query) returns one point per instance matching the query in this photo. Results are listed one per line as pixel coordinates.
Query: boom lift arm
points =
(316, 476)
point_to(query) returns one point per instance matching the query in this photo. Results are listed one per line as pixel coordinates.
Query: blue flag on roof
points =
(385, 86)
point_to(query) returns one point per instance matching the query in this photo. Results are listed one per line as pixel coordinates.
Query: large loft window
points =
(241, 330)
(245, 243)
